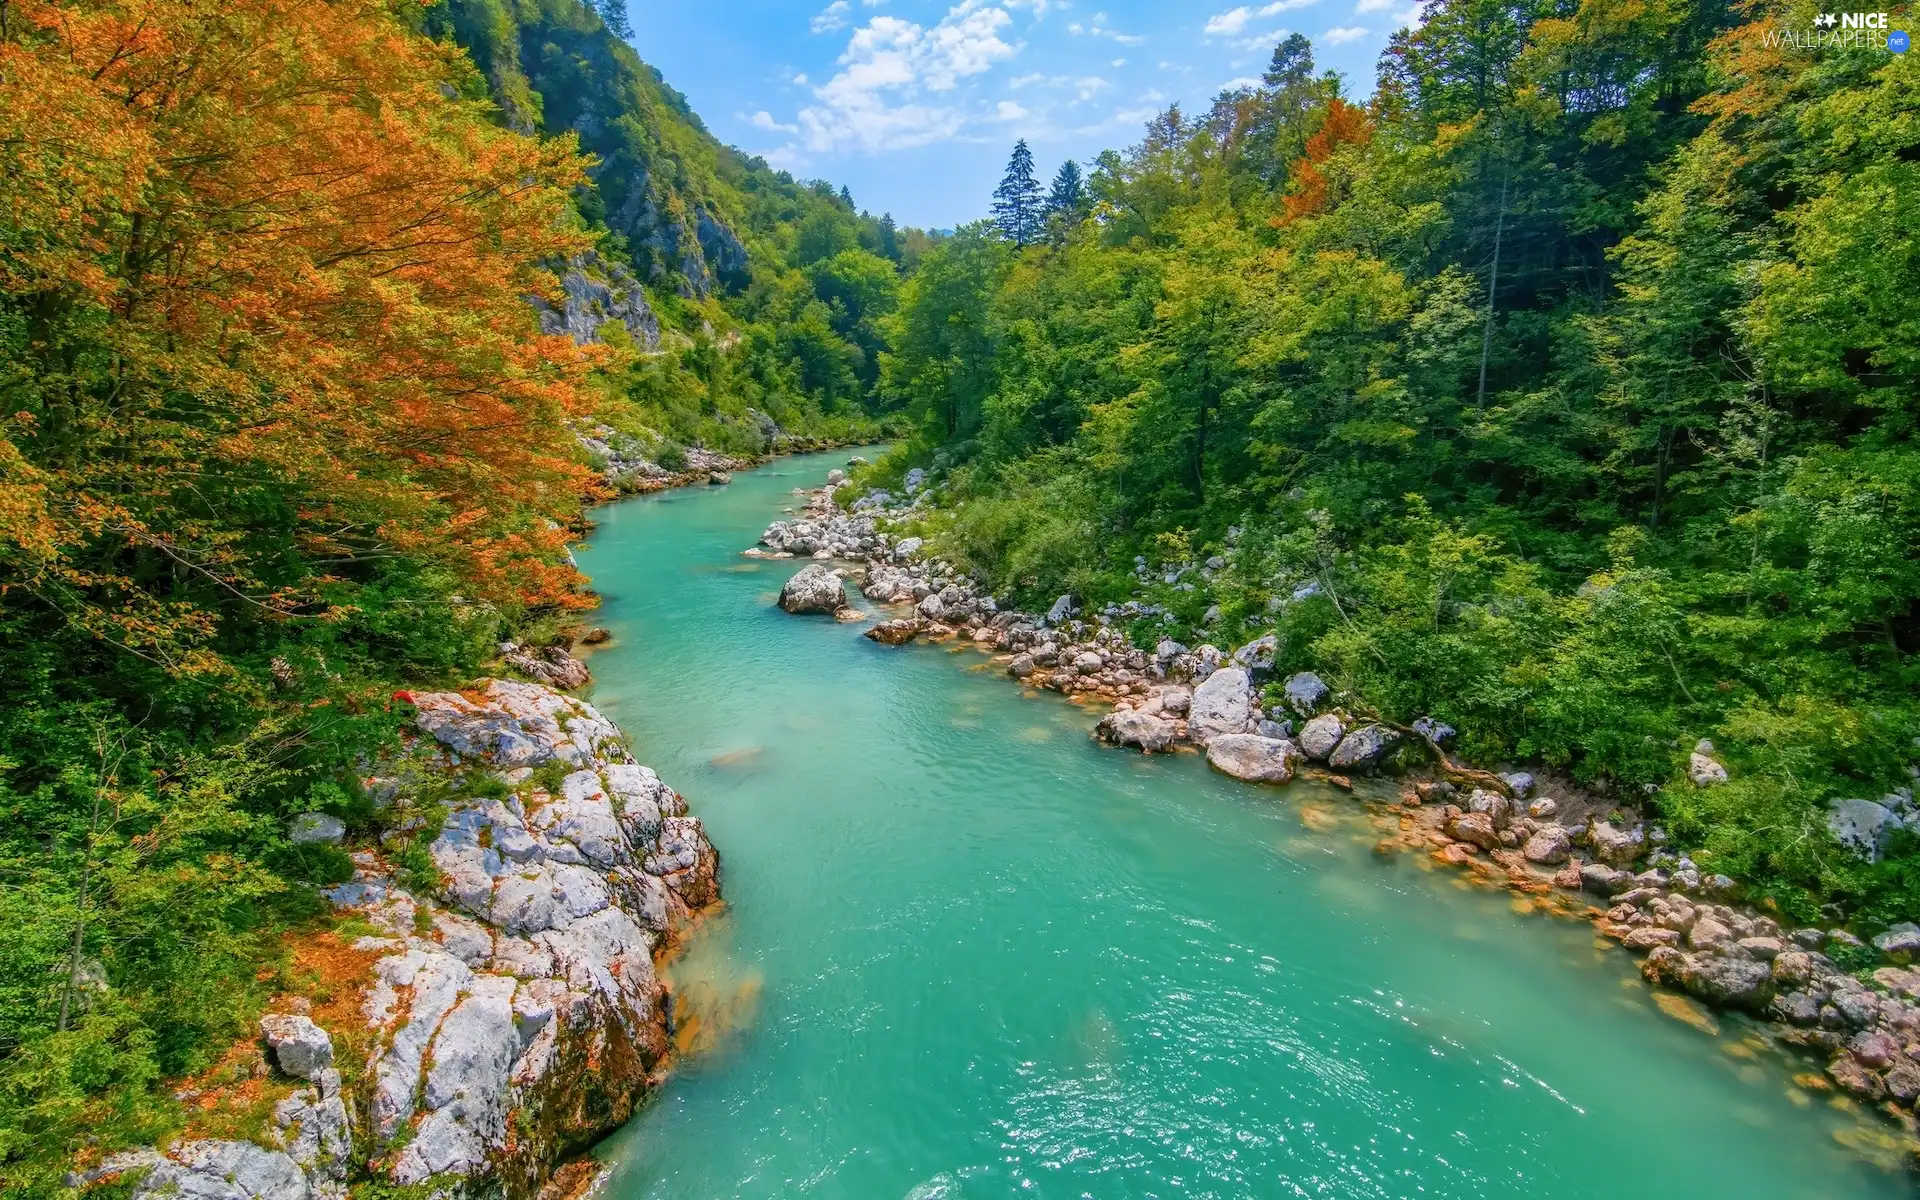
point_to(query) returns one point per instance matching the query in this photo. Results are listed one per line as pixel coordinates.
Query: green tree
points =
(1017, 210)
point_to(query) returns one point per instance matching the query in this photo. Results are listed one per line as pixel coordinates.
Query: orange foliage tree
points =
(1307, 191)
(264, 268)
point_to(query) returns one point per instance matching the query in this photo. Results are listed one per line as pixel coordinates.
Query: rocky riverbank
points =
(1820, 994)
(629, 468)
(486, 1003)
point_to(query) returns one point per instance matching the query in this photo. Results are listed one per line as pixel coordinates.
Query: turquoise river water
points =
(970, 954)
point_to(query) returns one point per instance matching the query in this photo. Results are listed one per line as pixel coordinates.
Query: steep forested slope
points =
(767, 287)
(1564, 390)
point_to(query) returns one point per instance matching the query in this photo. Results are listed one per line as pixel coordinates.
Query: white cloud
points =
(787, 158)
(801, 79)
(881, 97)
(1231, 21)
(1007, 110)
(1234, 20)
(830, 18)
(1099, 28)
(1085, 87)
(1118, 62)
(1244, 81)
(764, 120)
(1260, 41)
(1369, 6)
(1411, 18)
(1344, 34)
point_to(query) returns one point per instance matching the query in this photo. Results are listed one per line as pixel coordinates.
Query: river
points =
(968, 953)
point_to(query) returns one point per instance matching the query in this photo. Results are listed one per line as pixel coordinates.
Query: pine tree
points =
(889, 237)
(1292, 65)
(846, 197)
(1017, 201)
(1069, 191)
(614, 13)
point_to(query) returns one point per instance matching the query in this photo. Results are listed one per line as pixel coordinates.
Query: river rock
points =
(1703, 769)
(1223, 703)
(1903, 1082)
(316, 827)
(1708, 933)
(1021, 666)
(1258, 655)
(1604, 880)
(1124, 727)
(552, 666)
(1251, 757)
(1320, 736)
(1550, 846)
(1544, 809)
(813, 589)
(1061, 610)
(1304, 692)
(1863, 826)
(1362, 747)
(1725, 982)
(1433, 730)
(1474, 828)
(896, 632)
(1497, 807)
(300, 1048)
(1856, 1079)
(1615, 846)
(1899, 940)
(1792, 969)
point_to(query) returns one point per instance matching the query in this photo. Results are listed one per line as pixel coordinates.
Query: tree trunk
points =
(1493, 287)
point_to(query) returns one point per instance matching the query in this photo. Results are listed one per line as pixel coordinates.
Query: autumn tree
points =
(280, 427)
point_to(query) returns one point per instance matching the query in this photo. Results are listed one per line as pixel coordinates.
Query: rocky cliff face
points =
(595, 293)
(510, 1014)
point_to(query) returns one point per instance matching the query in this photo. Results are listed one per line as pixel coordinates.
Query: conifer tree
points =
(1069, 190)
(1017, 201)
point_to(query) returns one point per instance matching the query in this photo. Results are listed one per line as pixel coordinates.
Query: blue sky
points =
(914, 105)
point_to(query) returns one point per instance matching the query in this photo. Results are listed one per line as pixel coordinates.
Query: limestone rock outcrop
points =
(512, 1013)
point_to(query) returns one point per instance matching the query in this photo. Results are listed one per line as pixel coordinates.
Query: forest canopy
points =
(1563, 389)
